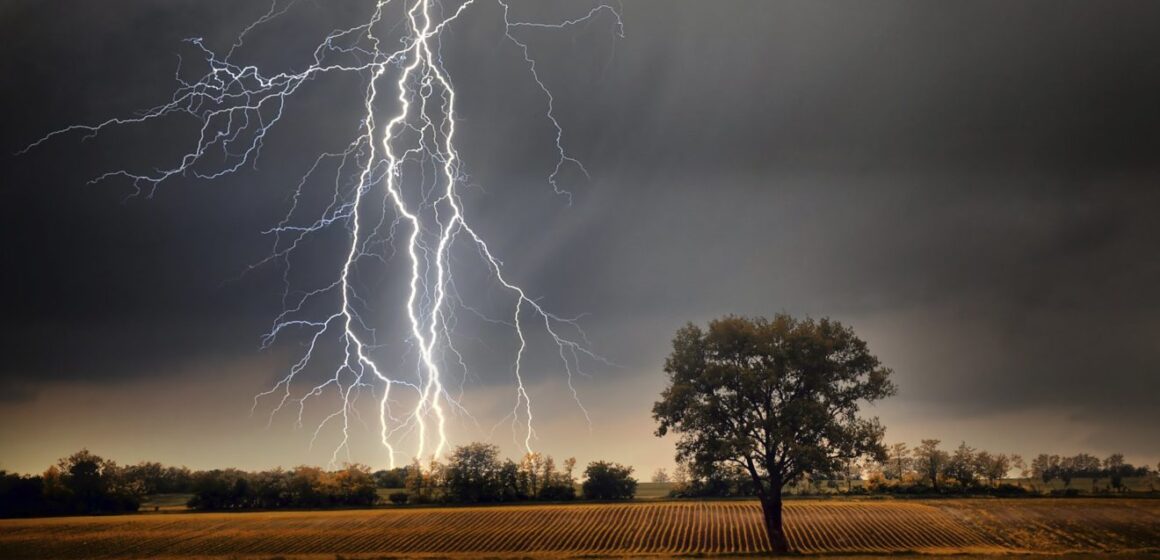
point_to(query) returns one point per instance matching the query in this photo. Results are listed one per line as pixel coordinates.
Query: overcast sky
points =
(971, 186)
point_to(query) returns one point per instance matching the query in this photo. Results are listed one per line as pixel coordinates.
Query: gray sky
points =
(971, 186)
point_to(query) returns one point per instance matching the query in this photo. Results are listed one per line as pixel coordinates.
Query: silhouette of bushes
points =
(82, 483)
(302, 487)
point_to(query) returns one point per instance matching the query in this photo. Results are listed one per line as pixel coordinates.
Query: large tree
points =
(779, 398)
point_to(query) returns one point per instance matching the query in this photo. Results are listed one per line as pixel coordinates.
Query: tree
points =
(95, 485)
(509, 481)
(422, 484)
(608, 481)
(472, 474)
(930, 461)
(1045, 467)
(569, 468)
(555, 486)
(393, 478)
(531, 474)
(1116, 469)
(305, 486)
(852, 472)
(778, 398)
(1087, 466)
(898, 461)
(356, 485)
(660, 476)
(1065, 470)
(681, 479)
(992, 467)
(961, 465)
(568, 479)
(1020, 465)
(724, 480)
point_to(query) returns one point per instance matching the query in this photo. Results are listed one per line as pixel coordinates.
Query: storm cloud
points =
(972, 186)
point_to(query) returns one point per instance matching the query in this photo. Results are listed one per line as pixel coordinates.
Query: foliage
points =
(992, 467)
(473, 474)
(1054, 467)
(82, 483)
(725, 481)
(898, 462)
(392, 478)
(779, 398)
(608, 481)
(156, 478)
(302, 487)
(930, 462)
(961, 466)
(424, 485)
(558, 487)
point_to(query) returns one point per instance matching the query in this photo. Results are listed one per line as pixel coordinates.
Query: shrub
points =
(558, 493)
(398, 498)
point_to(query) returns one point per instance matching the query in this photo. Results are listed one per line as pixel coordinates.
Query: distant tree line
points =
(301, 487)
(84, 483)
(1113, 469)
(928, 469)
(967, 469)
(474, 473)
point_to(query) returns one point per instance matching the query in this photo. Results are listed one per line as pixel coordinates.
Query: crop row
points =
(663, 528)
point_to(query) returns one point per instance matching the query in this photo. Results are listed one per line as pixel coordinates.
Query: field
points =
(656, 528)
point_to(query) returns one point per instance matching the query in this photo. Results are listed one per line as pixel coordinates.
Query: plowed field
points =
(630, 529)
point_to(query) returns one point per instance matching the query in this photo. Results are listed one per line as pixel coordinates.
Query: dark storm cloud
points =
(973, 186)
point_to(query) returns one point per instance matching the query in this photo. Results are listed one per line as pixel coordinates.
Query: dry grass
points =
(976, 526)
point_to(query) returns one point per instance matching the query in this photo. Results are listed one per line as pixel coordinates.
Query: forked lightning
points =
(396, 188)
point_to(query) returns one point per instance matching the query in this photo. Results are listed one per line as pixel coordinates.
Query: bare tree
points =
(660, 476)
(898, 461)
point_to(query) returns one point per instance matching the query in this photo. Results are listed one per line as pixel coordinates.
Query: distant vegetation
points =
(474, 473)
(301, 487)
(929, 470)
(79, 483)
(84, 483)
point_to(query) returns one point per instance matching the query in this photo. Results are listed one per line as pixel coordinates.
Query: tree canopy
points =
(779, 398)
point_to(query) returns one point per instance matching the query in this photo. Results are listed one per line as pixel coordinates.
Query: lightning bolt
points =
(396, 185)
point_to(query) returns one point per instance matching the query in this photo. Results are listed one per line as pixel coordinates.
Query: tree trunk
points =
(771, 510)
